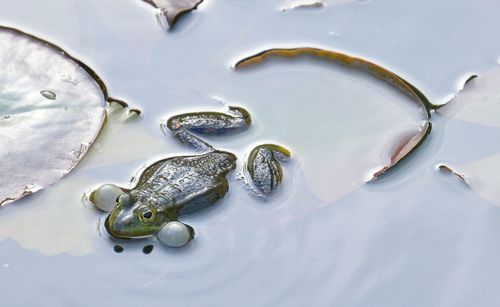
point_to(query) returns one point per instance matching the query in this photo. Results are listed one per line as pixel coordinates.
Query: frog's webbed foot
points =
(264, 167)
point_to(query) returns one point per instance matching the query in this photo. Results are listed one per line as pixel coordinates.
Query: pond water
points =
(416, 237)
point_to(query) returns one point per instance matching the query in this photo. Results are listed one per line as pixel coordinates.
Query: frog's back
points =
(187, 183)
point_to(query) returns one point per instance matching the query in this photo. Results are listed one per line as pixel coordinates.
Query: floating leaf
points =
(317, 4)
(171, 10)
(52, 107)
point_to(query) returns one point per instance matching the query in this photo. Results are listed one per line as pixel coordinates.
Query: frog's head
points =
(133, 219)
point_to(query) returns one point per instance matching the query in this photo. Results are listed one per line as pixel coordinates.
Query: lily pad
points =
(52, 107)
(173, 9)
(407, 141)
(347, 120)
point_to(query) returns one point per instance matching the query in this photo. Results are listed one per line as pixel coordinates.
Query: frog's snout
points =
(116, 226)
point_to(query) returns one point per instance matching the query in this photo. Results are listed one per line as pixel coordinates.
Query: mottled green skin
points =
(168, 188)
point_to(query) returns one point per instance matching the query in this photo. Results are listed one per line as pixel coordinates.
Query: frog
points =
(179, 185)
(167, 189)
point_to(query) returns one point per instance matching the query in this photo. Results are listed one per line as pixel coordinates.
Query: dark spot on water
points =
(147, 249)
(118, 248)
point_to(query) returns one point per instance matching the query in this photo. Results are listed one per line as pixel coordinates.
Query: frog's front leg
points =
(264, 168)
(185, 137)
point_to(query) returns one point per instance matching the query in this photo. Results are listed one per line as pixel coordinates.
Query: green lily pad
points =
(52, 107)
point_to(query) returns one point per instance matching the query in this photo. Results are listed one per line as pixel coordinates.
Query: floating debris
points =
(171, 10)
(134, 112)
(447, 169)
(48, 94)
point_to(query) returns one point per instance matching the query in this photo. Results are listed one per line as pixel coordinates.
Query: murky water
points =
(413, 238)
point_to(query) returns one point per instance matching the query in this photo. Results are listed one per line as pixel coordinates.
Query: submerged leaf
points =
(43, 133)
(450, 170)
(404, 145)
(350, 61)
(303, 4)
(173, 9)
(478, 101)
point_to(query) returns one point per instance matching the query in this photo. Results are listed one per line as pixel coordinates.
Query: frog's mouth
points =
(127, 231)
(109, 225)
(106, 226)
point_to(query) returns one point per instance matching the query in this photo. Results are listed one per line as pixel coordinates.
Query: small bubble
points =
(48, 94)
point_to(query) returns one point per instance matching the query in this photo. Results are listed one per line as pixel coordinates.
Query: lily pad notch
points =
(409, 144)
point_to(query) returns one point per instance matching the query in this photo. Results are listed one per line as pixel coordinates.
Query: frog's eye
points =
(147, 215)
